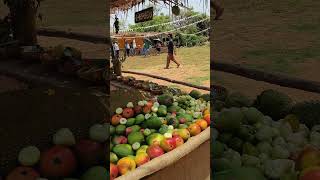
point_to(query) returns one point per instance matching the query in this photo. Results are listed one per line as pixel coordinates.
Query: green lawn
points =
(278, 36)
(195, 67)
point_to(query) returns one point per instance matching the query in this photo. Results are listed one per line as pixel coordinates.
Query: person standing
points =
(171, 53)
(116, 49)
(127, 47)
(146, 47)
(134, 46)
(116, 25)
(158, 47)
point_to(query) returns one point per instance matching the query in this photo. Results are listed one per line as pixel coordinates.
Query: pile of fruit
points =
(268, 138)
(68, 158)
(147, 130)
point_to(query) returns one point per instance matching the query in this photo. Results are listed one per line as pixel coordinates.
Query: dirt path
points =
(270, 35)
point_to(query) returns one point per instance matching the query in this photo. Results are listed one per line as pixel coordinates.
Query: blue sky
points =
(197, 5)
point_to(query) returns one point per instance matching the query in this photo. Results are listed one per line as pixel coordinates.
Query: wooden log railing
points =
(98, 39)
(273, 78)
(169, 80)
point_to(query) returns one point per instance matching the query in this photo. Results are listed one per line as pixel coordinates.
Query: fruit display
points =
(268, 138)
(150, 128)
(67, 158)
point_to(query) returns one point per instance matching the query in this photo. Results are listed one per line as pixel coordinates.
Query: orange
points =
(115, 120)
(202, 123)
(194, 129)
(206, 111)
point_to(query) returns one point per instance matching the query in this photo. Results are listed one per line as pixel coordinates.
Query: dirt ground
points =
(275, 36)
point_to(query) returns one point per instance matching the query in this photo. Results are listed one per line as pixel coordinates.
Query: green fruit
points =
(187, 117)
(135, 128)
(240, 173)
(130, 122)
(147, 132)
(162, 111)
(220, 164)
(98, 133)
(165, 99)
(95, 173)
(153, 130)
(195, 94)
(250, 149)
(229, 120)
(153, 123)
(154, 138)
(174, 122)
(252, 115)
(308, 113)
(113, 158)
(135, 137)
(205, 97)
(120, 129)
(237, 99)
(173, 108)
(217, 149)
(273, 103)
(29, 156)
(236, 144)
(122, 150)
(183, 126)
(163, 129)
(112, 130)
(65, 137)
(225, 138)
(139, 119)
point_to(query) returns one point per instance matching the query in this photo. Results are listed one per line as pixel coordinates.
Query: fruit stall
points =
(268, 137)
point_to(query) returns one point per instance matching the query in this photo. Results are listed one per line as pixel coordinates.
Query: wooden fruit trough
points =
(191, 161)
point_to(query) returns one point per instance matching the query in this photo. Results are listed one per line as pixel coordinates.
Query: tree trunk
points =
(24, 23)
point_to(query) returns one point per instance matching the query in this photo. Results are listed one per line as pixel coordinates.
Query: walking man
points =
(171, 53)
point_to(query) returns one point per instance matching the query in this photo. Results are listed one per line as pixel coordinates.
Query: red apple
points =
(182, 120)
(128, 130)
(119, 140)
(58, 161)
(309, 157)
(89, 153)
(137, 109)
(113, 171)
(310, 174)
(128, 113)
(149, 104)
(154, 151)
(23, 173)
(168, 144)
(179, 141)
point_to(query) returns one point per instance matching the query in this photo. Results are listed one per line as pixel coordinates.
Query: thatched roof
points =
(124, 5)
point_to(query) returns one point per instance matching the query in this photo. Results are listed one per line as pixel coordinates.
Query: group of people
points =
(132, 47)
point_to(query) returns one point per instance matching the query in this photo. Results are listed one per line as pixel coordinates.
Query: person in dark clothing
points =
(171, 53)
(116, 25)
(158, 47)
(127, 47)
(219, 10)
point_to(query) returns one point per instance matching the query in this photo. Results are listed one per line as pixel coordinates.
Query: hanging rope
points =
(154, 35)
(162, 24)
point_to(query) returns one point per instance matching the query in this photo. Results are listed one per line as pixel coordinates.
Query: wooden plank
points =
(273, 78)
(73, 35)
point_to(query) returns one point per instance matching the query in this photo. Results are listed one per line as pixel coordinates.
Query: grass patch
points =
(280, 60)
(197, 80)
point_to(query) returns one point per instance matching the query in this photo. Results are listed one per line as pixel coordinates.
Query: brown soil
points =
(252, 88)
(10, 84)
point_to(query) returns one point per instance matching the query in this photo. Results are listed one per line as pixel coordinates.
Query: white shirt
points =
(134, 45)
(116, 47)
